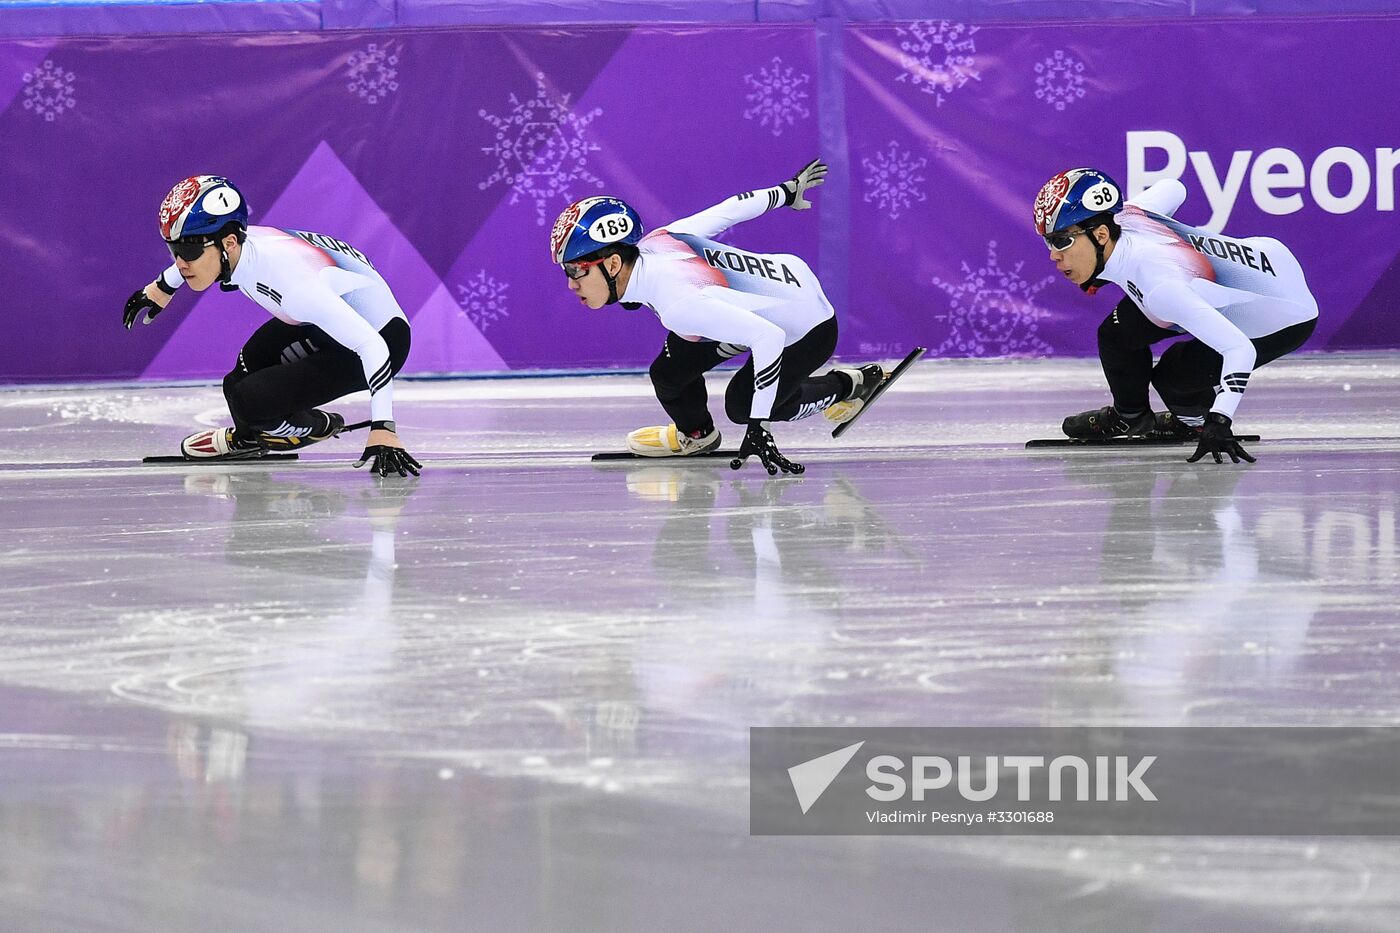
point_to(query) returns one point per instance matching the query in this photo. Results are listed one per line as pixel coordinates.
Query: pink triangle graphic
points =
(440, 330)
(18, 57)
(327, 198)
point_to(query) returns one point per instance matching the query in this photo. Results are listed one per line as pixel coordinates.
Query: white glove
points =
(812, 174)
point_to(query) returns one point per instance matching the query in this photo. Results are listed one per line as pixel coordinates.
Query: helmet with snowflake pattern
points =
(201, 206)
(590, 225)
(199, 212)
(1073, 197)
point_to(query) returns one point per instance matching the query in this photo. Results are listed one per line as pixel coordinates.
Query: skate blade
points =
(627, 455)
(1137, 441)
(250, 457)
(888, 381)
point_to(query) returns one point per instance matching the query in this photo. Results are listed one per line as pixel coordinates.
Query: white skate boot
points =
(218, 443)
(666, 441)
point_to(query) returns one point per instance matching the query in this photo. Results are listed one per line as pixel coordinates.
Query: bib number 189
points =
(610, 229)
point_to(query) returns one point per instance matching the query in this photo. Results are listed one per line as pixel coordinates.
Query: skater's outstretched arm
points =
(750, 204)
(151, 299)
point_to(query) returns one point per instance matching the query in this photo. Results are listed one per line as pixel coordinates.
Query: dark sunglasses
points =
(188, 249)
(1063, 241)
(577, 270)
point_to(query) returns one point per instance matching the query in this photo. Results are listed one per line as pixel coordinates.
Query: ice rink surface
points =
(514, 694)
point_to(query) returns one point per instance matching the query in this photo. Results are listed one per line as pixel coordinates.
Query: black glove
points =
(384, 460)
(1217, 439)
(811, 175)
(758, 442)
(137, 303)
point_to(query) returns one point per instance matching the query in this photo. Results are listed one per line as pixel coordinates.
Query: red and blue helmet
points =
(589, 225)
(1073, 197)
(201, 205)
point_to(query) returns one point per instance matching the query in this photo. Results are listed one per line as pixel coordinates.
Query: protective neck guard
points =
(1094, 283)
(612, 284)
(225, 272)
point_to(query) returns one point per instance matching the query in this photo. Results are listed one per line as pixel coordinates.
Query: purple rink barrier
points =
(953, 129)
(444, 154)
(132, 17)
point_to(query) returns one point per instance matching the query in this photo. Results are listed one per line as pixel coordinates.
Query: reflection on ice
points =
(237, 669)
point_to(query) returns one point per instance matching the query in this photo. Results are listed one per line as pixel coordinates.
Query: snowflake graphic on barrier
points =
(892, 179)
(483, 300)
(48, 91)
(938, 57)
(778, 96)
(1059, 80)
(542, 149)
(374, 73)
(993, 312)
